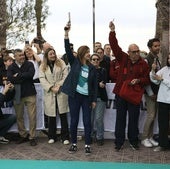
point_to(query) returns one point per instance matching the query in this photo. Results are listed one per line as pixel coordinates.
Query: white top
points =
(164, 89)
(41, 55)
(36, 67)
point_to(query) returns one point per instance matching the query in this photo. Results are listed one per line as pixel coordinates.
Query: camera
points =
(38, 41)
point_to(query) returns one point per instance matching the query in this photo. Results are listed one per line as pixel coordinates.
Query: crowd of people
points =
(77, 81)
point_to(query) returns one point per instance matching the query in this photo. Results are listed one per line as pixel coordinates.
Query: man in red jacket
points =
(133, 68)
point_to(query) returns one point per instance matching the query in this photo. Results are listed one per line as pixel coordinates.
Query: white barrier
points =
(40, 111)
(109, 117)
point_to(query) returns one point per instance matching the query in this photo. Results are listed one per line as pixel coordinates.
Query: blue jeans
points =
(6, 123)
(75, 103)
(97, 119)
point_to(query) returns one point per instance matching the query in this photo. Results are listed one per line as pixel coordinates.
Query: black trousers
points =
(133, 116)
(52, 126)
(163, 123)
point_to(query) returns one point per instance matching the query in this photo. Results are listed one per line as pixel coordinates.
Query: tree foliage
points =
(21, 20)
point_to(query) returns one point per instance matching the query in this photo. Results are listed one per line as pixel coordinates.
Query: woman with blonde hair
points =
(35, 59)
(52, 73)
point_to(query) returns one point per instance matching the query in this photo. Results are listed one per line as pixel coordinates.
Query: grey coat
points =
(49, 79)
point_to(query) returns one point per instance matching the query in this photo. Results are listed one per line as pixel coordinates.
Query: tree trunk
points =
(162, 27)
(3, 23)
(38, 11)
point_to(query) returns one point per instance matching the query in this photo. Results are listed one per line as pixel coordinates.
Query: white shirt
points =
(36, 67)
(164, 88)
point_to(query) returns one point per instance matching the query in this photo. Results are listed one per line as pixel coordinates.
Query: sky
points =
(135, 22)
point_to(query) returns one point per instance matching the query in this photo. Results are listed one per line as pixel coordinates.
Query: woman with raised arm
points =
(81, 87)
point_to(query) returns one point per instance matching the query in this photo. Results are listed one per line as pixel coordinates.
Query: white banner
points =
(109, 117)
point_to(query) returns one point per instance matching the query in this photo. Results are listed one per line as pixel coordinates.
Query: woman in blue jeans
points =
(98, 112)
(81, 87)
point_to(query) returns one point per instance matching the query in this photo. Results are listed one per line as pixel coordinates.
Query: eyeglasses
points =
(135, 51)
(95, 59)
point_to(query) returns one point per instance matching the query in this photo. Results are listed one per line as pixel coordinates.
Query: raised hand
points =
(112, 26)
(67, 27)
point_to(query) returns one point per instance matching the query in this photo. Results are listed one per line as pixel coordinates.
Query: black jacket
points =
(150, 59)
(70, 83)
(101, 76)
(24, 77)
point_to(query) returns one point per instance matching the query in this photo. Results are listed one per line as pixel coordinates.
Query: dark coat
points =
(70, 84)
(101, 76)
(24, 77)
(2, 98)
(150, 59)
(105, 63)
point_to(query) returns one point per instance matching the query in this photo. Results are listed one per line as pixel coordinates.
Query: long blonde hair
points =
(45, 63)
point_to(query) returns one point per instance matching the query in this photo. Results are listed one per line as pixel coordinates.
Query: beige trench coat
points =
(49, 79)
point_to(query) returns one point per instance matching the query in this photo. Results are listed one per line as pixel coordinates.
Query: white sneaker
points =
(3, 140)
(146, 143)
(51, 141)
(66, 142)
(153, 142)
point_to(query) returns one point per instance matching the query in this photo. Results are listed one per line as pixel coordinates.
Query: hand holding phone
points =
(67, 27)
(26, 42)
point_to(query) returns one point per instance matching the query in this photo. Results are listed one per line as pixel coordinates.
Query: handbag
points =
(131, 93)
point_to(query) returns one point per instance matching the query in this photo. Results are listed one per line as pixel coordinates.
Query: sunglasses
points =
(135, 51)
(95, 59)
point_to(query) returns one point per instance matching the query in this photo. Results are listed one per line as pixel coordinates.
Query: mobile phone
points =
(69, 18)
(69, 22)
(27, 42)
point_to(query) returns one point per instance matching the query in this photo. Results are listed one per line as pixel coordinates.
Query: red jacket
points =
(114, 70)
(138, 70)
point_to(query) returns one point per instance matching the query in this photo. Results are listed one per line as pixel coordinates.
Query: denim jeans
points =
(75, 103)
(6, 123)
(97, 119)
